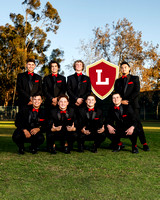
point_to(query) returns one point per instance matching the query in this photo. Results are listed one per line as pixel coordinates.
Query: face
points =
(116, 99)
(90, 101)
(37, 101)
(30, 66)
(54, 68)
(63, 103)
(125, 69)
(78, 67)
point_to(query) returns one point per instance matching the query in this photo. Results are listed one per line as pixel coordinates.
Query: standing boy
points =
(28, 84)
(78, 85)
(54, 85)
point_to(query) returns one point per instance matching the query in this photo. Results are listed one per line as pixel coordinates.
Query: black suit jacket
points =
(56, 117)
(131, 90)
(121, 119)
(75, 90)
(51, 89)
(23, 89)
(23, 119)
(92, 123)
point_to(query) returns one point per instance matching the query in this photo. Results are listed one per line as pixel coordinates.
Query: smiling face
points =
(125, 69)
(116, 98)
(54, 68)
(90, 101)
(30, 66)
(36, 101)
(78, 67)
(63, 103)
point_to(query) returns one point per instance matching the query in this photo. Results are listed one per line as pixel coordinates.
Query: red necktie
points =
(80, 74)
(54, 75)
(90, 109)
(63, 111)
(115, 107)
(36, 110)
(29, 73)
(124, 76)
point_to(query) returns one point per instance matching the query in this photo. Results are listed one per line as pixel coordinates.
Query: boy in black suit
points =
(54, 85)
(91, 124)
(128, 86)
(61, 126)
(121, 123)
(78, 85)
(30, 123)
(28, 84)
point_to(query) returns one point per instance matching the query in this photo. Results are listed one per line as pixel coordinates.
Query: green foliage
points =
(27, 38)
(104, 176)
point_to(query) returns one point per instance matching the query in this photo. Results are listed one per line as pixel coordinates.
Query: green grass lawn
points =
(80, 176)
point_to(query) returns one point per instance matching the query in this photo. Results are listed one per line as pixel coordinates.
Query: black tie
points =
(54, 79)
(34, 117)
(30, 83)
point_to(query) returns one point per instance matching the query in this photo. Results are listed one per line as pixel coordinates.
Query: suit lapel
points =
(80, 83)
(26, 80)
(56, 88)
(93, 115)
(75, 84)
(117, 114)
(126, 86)
(51, 84)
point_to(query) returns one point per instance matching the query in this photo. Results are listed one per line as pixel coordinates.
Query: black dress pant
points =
(141, 134)
(115, 138)
(35, 140)
(98, 138)
(63, 136)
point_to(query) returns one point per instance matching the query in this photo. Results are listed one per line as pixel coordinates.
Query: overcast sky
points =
(79, 17)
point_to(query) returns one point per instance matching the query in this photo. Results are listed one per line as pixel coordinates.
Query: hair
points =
(74, 64)
(37, 94)
(124, 63)
(91, 95)
(63, 96)
(51, 62)
(116, 93)
(31, 60)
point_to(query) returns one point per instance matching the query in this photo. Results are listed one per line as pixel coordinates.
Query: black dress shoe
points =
(146, 148)
(122, 146)
(53, 151)
(117, 148)
(135, 150)
(94, 149)
(80, 148)
(33, 151)
(66, 150)
(21, 151)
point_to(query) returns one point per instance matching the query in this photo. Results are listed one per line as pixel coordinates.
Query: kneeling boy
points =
(91, 124)
(61, 126)
(30, 123)
(121, 123)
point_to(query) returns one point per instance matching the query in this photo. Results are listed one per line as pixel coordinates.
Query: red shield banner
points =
(102, 75)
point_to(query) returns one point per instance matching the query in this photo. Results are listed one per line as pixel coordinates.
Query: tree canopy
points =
(25, 38)
(120, 42)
